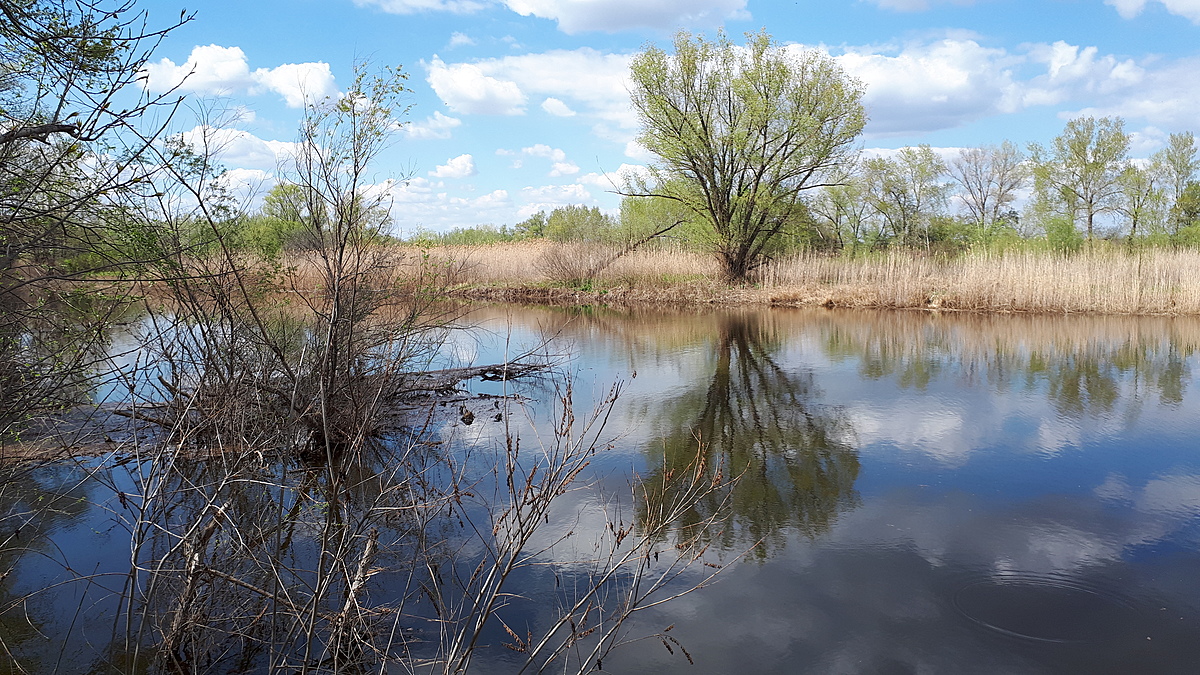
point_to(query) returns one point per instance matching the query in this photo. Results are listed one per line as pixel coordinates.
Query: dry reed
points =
(1100, 281)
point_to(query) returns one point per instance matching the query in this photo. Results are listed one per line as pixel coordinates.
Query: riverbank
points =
(1105, 280)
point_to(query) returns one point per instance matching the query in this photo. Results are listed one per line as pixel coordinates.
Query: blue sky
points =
(522, 105)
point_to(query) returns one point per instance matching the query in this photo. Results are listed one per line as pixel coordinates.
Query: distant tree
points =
(908, 193)
(1142, 200)
(741, 132)
(579, 223)
(533, 226)
(1081, 170)
(844, 212)
(1177, 164)
(286, 201)
(988, 179)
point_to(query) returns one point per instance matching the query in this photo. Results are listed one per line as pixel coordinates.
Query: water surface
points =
(913, 493)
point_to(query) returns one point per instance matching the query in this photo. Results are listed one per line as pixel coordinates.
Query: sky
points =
(517, 106)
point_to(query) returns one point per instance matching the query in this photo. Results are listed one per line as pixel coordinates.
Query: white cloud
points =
(296, 82)
(550, 197)
(436, 126)
(635, 150)
(460, 40)
(928, 86)
(559, 165)
(247, 186)
(462, 166)
(615, 15)
(240, 149)
(556, 107)
(217, 70)
(1166, 95)
(415, 6)
(467, 88)
(502, 85)
(419, 204)
(1128, 9)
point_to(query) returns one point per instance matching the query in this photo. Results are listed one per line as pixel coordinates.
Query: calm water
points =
(916, 493)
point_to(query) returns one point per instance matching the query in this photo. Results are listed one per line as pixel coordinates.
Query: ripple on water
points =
(1046, 608)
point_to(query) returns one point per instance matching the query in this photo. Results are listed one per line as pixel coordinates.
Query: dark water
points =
(915, 493)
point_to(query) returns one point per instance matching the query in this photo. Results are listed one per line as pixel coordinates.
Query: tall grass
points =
(1106, 281)
(1103, 280)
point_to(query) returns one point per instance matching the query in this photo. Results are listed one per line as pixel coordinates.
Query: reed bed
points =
(1104, 280)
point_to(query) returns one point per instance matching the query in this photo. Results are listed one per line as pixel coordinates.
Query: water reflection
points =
(792, 459)
(911, 484)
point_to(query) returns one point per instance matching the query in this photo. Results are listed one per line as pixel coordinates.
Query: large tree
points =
(1081, 170)
(741, 131)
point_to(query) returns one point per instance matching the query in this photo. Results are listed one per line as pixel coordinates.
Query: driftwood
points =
(448, 378)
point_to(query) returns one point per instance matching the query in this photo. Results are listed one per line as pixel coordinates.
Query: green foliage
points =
(740, 133)
(480, 235)
(908, 193)
(1061, 234)
(532, 227)
(1080, 174)
(580, 223)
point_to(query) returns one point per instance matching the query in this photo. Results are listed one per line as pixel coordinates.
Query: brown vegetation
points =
(1101, 280)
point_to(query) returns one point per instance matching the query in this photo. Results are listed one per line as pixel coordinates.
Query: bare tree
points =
(989, 179)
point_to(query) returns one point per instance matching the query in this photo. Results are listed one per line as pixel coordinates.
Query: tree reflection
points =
(775, 461)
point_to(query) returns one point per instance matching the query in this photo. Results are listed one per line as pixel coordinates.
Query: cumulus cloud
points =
(467, 88)
(238, 148)
(616, 15)
(556, 107)
(925, 86)
(550, 197)
(1128, 9)
(462, 166)
(436, 126)
(217, 70)
(1167, 95)
(613, 180)
(928, 86)
(423, 204)
(504, 85)
(559, 165)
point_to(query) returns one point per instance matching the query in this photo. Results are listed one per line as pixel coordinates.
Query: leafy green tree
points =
(1177, 165)
(580, 223)
(285, 201)
(1081, 170)
(908, 193)
(741, 132)
(532, 227)
(1142, 200)
(844, 212)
